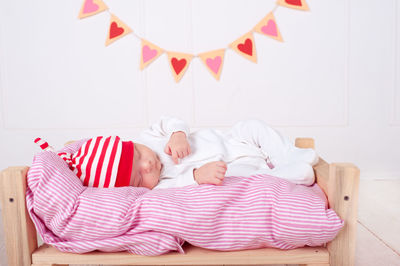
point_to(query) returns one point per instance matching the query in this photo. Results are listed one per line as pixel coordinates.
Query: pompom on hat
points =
(102, 162)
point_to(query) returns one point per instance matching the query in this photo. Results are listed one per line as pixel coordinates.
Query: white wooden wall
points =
(335, 78)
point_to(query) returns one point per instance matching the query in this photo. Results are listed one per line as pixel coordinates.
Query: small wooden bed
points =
(339, 181)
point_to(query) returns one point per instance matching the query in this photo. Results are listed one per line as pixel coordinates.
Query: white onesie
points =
(250, 147)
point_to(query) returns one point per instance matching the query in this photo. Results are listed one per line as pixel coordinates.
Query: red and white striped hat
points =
(100, 162)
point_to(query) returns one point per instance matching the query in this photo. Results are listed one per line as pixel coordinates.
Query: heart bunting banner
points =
(117, 30)
(268, 27)
(213, 61)
(179, 62)
(150, 52)
(245, 47)
(296, 4)
(92, 7)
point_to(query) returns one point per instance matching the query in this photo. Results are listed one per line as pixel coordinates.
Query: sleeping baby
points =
(168, 155)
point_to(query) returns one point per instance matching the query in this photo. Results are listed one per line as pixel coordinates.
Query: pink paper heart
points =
(214, 64)
(90, 7)
(148, 53)
(270, 28)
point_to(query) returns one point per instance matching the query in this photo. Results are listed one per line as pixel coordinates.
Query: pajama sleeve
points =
(166, 126)
(181, 178)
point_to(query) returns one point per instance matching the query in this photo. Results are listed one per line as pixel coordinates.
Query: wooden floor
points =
(378, 238)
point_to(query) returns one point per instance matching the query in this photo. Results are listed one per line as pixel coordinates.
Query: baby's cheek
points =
(154, 181)
(150, 182)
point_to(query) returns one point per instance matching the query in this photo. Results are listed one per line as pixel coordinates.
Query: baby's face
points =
(146, 167)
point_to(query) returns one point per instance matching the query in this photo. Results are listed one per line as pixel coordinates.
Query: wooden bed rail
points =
(19, 230)
(339, 181)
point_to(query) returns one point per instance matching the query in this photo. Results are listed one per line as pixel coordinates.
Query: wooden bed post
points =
(344, 179)
(305, 143)
(20, 233)
(340, 182)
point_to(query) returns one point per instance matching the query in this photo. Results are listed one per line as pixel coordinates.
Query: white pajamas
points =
(246, 149)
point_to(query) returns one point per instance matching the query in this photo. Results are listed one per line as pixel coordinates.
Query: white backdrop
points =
(335, 78)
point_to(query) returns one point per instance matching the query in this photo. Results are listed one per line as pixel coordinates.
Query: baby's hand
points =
(177, 146)
(210, 173)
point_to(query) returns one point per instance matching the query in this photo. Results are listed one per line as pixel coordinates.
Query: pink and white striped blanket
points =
(244, 213)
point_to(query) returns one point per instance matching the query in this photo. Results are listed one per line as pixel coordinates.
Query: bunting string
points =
(179, 62)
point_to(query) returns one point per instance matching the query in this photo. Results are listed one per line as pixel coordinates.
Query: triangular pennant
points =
(179, 62)
(245, 47)
(91, 7)
(268, 27)
(117, 30)
(296, 4)
(213, 61)
(150, 52)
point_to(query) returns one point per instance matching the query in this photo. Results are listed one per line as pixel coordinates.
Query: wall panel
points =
(168, 25)
(57, 67)
(396, 90)
(282, 87)
(336, 76)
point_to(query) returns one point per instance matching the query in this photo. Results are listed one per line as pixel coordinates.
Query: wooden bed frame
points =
(339, 181)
